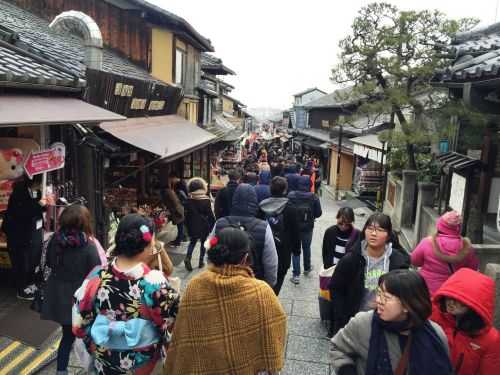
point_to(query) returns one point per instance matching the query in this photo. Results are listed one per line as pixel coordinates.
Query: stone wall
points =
(493, 271)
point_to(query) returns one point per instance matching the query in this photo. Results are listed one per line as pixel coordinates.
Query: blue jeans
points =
(191, 246)
(305, 239)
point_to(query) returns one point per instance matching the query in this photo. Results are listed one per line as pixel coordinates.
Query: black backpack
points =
(305, 213)
(277, 223)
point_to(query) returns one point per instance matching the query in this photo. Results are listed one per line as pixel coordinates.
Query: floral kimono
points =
(125, 318)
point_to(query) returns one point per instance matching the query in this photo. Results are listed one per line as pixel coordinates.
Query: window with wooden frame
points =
(180, 66)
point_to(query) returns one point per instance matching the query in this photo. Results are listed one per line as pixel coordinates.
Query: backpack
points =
(277, 223)
(305, 214)
(255, 256)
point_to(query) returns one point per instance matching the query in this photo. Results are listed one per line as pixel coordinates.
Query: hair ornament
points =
(146, 234)
(211, 242)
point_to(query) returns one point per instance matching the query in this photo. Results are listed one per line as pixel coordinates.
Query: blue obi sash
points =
(123, 335)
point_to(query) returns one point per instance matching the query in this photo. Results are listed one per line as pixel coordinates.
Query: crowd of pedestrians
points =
(391, 312)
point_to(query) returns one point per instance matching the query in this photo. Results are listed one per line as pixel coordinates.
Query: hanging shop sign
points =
(46, 160)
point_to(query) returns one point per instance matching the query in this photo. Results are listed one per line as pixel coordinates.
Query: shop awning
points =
(29, 110)
(368, 146)
(169, 137)
(312, 143)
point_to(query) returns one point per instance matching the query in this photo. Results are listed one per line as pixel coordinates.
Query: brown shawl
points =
(228, 323)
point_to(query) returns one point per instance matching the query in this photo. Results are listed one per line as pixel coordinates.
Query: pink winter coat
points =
(434, 270)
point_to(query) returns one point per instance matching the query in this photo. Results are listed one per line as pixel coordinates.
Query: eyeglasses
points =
(374, 229)
(383, 297)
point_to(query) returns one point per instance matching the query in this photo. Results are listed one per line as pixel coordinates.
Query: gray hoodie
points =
(373, 270)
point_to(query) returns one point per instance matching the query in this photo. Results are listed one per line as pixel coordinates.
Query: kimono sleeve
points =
(83, 314)
(163, 303)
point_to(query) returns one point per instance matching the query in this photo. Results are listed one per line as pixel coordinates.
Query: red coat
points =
(481, 353)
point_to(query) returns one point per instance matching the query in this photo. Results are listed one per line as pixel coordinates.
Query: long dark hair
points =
(412, 291)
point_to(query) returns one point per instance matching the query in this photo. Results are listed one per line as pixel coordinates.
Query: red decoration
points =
(213, 241)
(147, 237)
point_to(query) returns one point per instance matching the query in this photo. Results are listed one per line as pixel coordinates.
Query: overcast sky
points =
(281, 47)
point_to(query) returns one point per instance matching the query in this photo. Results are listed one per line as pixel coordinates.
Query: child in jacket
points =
(464, 307)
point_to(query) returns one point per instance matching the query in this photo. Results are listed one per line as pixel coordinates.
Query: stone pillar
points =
(493, 271)
(408, 196)
(426, 193)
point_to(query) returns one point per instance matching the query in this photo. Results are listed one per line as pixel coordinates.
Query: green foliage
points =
(390, 57)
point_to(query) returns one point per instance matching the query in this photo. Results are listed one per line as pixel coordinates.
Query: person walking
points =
(224, 198)
(244, 215)
(464, 307)
(228, 321)
(262, 189)
(397, 338)
(71, 255)
(339, 238)
(125, 312)
(179, 188)
(445, 252)
(23, 226)
(308, 209)
(175, 213)
(283, 220)
(200, 219)
(353, 284)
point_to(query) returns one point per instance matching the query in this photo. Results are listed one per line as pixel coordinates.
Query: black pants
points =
(279, 280)
(25, 256)
(65, 347)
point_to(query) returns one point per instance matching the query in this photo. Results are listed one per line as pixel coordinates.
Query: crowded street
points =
(249, 187)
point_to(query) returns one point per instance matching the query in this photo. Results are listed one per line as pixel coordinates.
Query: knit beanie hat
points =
(133, 235)
(450, 223)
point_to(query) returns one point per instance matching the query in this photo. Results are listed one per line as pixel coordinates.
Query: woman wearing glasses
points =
(355, 279)
(398, 337)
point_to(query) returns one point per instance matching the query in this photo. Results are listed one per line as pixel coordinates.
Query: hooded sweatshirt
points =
(470, 355)
(303, 194)
(375, 267)
(262, 189)
(244, 212)
(434, 270)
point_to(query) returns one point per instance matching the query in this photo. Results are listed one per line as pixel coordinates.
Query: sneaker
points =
(26, 295)
(187, 264)
(295, 280)
(307, 272)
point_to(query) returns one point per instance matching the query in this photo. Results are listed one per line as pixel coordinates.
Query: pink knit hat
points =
(450, 223)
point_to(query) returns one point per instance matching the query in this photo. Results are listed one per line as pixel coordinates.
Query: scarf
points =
(71, 238)
(428, 354)
(199, 194)
(228, 323)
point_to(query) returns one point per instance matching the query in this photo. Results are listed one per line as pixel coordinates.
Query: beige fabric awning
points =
(29, 110)
(166, 136)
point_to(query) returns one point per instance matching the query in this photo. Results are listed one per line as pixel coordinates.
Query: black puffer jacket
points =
(348, 282)
(200, 218)
(224, 200)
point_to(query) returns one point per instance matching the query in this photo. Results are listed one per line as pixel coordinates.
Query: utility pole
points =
(339, 150)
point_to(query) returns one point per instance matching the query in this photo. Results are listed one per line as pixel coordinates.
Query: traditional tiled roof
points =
(179, 23)
(337, 99)
(477, 56)
(21, 68)
(214, 65)
(308, 91)
(66, 50)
